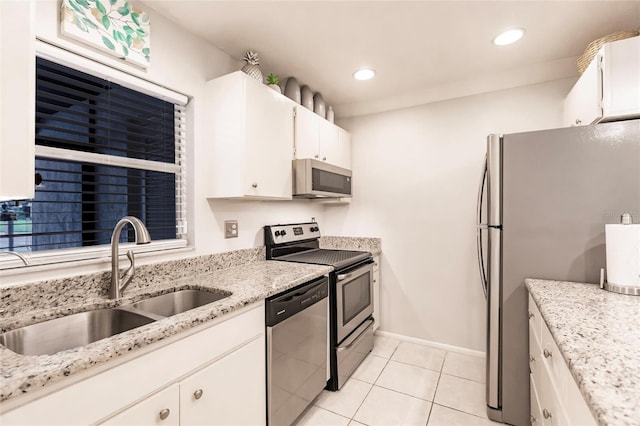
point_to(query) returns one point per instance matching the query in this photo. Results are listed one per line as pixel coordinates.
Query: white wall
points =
(183, 63)
(416, 175)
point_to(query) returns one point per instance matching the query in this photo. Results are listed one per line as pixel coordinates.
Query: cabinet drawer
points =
(550, 404)
(553, 360)
(536, 411)
(535, 318)
(535, 355)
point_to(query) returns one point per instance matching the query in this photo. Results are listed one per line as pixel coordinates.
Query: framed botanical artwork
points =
(113, 26)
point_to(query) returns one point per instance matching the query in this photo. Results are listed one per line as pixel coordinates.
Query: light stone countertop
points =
(372, 245)
(598, 333)
(248, 283)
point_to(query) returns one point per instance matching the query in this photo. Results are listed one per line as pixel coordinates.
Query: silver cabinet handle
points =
(324, 158)
(532, 420)
(164, 413)
(532, 358)
(198, 394)
(531, 315)
(578, 121)
(547, 353)
(316, 156)
(546, 414)
(254, 185)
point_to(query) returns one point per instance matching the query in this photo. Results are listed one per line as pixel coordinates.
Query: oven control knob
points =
(283, 233)
(277, 233)
(314, 229)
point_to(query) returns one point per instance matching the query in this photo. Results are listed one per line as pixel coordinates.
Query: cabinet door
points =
(582, 105)
(162, 408)
(17, 94)
(621, 78)
(307, 134)
(230, 391)
(268, 143)
(344, 145)
(329, 150)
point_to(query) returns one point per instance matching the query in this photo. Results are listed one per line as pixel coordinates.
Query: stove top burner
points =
(335, 258)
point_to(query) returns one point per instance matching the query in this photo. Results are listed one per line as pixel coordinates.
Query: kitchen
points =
(416, 168)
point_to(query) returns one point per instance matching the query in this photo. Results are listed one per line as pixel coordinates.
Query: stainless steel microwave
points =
(317, 179)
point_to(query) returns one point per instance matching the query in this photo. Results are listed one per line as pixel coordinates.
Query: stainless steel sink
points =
(71, 331)
(177, 302)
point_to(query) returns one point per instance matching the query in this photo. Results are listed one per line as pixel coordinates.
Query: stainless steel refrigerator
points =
(543, 203)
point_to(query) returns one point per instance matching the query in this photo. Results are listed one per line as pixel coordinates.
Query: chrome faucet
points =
(118, 284)
(15, 253)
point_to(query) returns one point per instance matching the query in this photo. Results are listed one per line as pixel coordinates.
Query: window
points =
(103, 151)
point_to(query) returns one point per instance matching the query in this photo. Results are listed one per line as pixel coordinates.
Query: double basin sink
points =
(80, 329)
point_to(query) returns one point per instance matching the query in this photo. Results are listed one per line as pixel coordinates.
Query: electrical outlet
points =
(231, 229)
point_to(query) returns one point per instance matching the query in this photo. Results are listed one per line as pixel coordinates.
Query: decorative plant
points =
(273, 79)
(252, 66)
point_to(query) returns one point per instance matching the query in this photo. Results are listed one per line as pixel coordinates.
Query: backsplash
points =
(82, 288)
(372, 245)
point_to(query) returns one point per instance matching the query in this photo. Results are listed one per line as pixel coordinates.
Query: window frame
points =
(51, 259)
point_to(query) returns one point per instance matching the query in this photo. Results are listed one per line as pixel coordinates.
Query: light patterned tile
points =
(386, 407)
(370, 369)
(345, 401)
(461, 394)
(444, 416)
(419, 355)
(316, 416)
(384, 346)
(409, 379)
(465, 366)
(354, 423)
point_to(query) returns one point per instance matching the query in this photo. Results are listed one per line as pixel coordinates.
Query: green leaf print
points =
(80, 24)
(124, 11)
(106, 22)
(108, 43)
(101, 7)
(83, 3)
(89, 23)
(134, 16)
(146, 51)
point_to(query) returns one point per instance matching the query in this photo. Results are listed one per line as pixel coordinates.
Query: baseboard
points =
(430, 343)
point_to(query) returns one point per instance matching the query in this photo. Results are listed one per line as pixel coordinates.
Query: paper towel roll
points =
(623, 254)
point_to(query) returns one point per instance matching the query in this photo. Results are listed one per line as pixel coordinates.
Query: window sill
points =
(98, 256)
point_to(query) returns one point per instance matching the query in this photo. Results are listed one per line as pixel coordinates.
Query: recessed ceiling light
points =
(364, 74)
(508, 37)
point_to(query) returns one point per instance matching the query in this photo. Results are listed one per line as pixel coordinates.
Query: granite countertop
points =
(598, 333)
(248, 283)
(372, 245)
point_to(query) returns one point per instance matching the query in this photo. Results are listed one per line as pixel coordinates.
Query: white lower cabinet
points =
(376, 292)
(240, 401)
(228, 392)
(212, 374)
(555, 397)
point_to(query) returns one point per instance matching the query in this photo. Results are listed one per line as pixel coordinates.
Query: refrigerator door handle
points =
(480, 227)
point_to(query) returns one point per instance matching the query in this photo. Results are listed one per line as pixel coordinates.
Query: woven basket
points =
(585, 59)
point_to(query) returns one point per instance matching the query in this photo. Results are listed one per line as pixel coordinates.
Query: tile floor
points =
(402, 383)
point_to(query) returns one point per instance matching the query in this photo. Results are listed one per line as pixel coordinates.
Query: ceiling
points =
(421, 50)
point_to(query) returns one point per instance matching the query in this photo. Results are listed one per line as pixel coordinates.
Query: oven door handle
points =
(356, 273)
(355, 336)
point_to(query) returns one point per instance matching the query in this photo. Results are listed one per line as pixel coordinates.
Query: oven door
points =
(354, 298)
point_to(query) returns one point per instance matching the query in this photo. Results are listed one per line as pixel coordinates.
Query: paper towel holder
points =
(625, 219)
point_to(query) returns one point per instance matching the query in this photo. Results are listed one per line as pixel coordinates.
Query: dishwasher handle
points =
(286, 304)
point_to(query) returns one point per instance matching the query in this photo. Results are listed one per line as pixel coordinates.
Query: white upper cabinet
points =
(609, 89)
(17, 100)
(320, 139)
(251, 132)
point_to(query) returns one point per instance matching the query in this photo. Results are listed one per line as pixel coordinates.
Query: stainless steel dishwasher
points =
(297, 349)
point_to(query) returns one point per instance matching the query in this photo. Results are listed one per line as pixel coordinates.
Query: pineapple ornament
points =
(251, 67)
